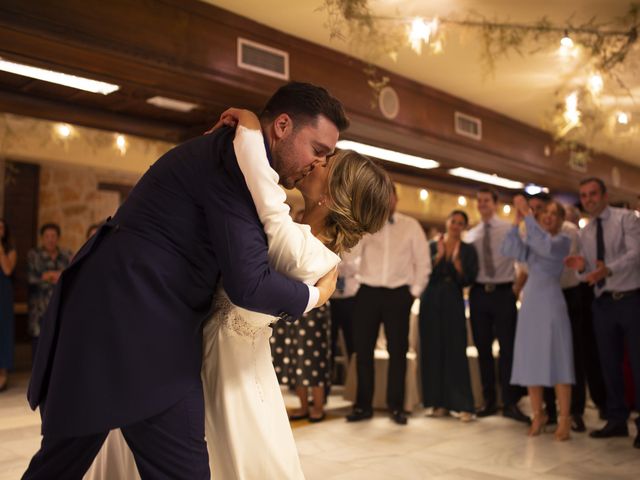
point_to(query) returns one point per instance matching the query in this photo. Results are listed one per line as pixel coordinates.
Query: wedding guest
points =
(493, 307)
(586, 356)
(394, 270)
(343, 301)
(543, 345)
(446, 384)
(610, 261)
(301, 354)
(44, 266)
(8, 258)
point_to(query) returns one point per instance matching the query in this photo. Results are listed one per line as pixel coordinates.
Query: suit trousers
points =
(616, 322)
(494, 315)
(342, 319)
(391, 307)
(170, 445)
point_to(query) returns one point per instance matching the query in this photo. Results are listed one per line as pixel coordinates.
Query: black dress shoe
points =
(577, 424)
(359, 414)
(487, 411)
(399, 417)
(636, 442)
(299, 416)
(611, 430)
(317, 419)
(513, 412)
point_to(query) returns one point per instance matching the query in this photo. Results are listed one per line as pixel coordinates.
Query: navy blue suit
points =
(121, 340)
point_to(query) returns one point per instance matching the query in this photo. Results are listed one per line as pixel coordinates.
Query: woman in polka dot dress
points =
(302, 358)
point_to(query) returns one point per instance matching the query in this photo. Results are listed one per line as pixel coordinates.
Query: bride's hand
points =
(326, 285)
(232, 117)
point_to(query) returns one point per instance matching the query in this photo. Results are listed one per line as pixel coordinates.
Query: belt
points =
(620, 295)
(490, 287)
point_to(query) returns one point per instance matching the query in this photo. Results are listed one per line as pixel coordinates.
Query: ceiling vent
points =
(468, 126)
(262, 59)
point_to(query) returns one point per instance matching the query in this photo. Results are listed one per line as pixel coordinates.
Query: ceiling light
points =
(486, 178)
(172, 104)
(389, 155)
(462, 201)
(424, 194)
(506, 209)
(81, 83)
(121, 144)
(533, 189)
(583, 222)
(64, 130)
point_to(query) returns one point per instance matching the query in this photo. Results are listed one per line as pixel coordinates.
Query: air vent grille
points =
(468, 126)
(263, 59)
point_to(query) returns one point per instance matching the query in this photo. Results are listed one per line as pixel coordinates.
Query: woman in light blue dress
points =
(543, 345)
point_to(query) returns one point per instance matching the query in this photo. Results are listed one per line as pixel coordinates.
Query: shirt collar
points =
(606, 213)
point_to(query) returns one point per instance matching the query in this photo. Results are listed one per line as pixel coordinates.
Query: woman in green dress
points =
(446, 384)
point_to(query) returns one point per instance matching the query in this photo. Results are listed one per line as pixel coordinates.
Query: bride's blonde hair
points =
(359, 193)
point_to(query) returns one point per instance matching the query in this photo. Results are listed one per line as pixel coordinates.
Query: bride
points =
(247, 428)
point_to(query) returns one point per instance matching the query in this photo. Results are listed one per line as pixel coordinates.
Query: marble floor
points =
(427, 448)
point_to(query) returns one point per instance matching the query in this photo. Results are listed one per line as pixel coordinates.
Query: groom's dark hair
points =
(303, 102)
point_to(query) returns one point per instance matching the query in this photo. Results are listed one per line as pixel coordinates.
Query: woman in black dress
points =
(446, 384)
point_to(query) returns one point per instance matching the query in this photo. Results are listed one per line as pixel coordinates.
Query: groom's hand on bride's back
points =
(326, 286)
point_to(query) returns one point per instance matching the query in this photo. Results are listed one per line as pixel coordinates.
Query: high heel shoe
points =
(563, 432)
(538, 424)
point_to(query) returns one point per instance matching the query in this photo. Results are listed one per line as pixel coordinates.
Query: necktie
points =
(487, 254)
(599, 247)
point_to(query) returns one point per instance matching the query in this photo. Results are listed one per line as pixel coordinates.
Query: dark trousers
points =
(390, 307)
(585, 355)
(342, 319)
(170, 445)
(494, 315)
(617, 322)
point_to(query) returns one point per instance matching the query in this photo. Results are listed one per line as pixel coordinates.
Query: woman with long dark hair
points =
(446, 384)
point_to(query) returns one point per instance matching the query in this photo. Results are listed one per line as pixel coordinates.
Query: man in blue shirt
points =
(610, 261)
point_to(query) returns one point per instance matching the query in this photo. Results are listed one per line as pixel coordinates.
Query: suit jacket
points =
(121, 340)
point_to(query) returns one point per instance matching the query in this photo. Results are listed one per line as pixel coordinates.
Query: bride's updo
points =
(359, 193)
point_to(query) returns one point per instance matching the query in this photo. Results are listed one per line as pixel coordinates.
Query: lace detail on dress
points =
(235, 319)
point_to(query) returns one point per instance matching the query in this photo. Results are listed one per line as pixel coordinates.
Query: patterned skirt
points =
(301, 350)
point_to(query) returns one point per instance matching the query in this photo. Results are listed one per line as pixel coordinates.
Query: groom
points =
(121, 340)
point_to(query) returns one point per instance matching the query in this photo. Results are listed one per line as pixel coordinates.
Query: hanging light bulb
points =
(424, 194)
(571, 112)
(567, 47)
(421, 31)
(622, 118)
(566, 41)
(595, 84)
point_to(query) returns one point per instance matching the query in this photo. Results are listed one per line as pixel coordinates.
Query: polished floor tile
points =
(427, 448)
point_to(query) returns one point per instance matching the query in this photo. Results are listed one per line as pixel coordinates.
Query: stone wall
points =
(69, 196)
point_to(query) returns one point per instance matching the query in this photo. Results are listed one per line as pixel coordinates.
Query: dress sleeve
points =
(293, 250)
(543, 243)
(513, 246)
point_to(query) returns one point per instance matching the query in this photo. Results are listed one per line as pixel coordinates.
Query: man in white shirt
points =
(493, 307)
(394, 270)
(610, 261)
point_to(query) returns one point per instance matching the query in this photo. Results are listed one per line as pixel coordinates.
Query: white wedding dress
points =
(247, 428)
